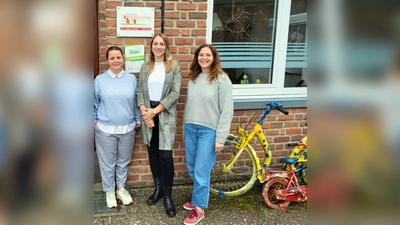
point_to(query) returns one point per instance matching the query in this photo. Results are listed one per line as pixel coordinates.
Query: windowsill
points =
(256, 103)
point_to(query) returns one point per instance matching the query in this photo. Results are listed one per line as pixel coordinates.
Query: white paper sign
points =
(135, 21)
(134, 58)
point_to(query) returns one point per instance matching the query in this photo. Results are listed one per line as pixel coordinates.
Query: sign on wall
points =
(135, 21)
(134, 58)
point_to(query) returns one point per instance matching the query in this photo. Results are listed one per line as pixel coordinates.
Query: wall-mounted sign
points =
(134, 58)
(135, 21)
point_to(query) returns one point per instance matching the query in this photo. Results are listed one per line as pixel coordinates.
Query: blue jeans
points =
(200, 159)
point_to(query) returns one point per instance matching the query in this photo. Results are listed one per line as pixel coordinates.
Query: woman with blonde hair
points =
(157, 95)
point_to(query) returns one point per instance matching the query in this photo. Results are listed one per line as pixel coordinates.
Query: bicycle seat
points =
(290, 160)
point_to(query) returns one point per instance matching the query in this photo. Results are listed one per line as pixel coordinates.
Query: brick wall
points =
(185, 25)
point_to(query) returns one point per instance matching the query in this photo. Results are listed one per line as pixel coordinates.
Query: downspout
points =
(162, 16)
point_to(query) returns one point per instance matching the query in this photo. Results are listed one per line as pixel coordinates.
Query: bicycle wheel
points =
(237, 180)
(269, 189)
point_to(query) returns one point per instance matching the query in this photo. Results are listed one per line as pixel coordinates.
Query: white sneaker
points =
(125, 197)
(111, 201)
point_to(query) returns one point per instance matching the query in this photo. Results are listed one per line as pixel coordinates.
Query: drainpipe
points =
(162, 16)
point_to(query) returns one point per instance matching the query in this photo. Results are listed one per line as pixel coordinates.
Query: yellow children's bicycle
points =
(300, 152)
(237, 166)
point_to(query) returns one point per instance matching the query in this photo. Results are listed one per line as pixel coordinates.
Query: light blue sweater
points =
(115, 100)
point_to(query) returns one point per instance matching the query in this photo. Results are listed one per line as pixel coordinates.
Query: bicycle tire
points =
(269, 189)
(237, 180)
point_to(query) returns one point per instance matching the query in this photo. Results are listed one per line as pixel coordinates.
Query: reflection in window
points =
(243, 33)
(296, 55)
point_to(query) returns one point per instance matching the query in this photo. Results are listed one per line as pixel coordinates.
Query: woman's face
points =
(158, 47)
(205, 59)
(115, 60)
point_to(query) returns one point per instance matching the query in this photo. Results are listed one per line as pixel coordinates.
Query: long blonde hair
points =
(215, 70)
(168, 59)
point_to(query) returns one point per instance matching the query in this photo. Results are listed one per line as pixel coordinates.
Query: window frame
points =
(247, 96)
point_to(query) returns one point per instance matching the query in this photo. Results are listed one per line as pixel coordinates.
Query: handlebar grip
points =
(283, 111)
(292, 144)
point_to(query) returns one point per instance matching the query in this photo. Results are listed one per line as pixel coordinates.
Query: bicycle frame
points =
(293, 192)
(244, 142)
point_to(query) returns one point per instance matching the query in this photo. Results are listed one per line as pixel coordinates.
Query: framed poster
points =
(134, 58)
(135, 21)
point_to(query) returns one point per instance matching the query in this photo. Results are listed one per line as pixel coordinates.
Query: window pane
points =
(243, 34)
(296, 55)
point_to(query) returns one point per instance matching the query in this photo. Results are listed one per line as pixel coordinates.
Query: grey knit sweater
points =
(210, 105)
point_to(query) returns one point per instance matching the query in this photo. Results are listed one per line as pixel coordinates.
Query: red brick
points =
(271, 132)
(185, 24)
(137, 155)
(111, 31)
(168, 23)
(238, 113)
(132, 178)
(169, 6)
(172, 49)
(134, 41)
(134, 4)
(186, 6)
(201, 24)
(101, 6)
(146, 177)
(138, 169)
(184, 50)
(172, 15)
(111, 13)
(185, 74)
(183, 15)
(111, 23)
(156, 5)
(285, 117)
(276, 125)
(200, 32)
(298, 110)
(293, 131)
(184, 66)
(185, 32)
(114, 41)
(200, 41)
(157, 23)
(113, 4)
(202, 7)
(184, 41)
(291, 124)
(281, 139)
(172, 32)
(197, 15)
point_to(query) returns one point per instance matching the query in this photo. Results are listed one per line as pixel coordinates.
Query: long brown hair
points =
(215, 70)
(168, 59)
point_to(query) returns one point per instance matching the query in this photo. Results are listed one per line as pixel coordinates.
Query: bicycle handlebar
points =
(283, 111)
(270, 106)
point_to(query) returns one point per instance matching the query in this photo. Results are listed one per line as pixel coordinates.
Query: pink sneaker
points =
(194, 217)
(188, 205)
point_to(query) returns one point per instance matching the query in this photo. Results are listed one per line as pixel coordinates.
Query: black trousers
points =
(161, 161)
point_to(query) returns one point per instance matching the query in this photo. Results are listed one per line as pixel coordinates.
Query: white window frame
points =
(276, 90)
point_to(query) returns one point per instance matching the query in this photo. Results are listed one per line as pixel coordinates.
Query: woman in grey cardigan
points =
(157, 94)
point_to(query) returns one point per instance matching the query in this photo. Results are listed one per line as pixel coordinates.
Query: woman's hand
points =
(219, 147)
(150, 123)
(148, 114)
